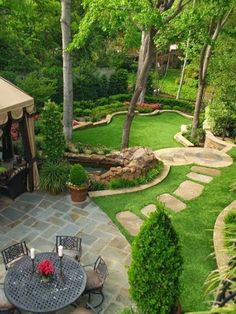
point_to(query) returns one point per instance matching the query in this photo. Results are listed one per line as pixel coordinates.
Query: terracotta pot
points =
(78, 194)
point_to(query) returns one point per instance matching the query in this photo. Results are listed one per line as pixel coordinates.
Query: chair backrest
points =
(101, 268)
(68, 242)
(13, 252)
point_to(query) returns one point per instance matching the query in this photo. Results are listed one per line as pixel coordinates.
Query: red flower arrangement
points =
(145, 105)
(45, 268)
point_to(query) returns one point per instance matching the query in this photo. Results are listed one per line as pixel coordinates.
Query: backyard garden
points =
(128, 143)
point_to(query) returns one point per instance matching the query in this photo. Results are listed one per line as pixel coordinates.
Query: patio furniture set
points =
(61, 284)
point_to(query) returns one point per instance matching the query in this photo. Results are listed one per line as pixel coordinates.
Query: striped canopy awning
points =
(13, 101)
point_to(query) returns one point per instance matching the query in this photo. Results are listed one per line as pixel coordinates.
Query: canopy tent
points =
(15, 105)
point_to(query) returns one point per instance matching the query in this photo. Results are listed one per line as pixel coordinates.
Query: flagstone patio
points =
(38, 217)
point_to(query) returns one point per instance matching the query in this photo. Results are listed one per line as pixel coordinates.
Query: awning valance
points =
(13, 101)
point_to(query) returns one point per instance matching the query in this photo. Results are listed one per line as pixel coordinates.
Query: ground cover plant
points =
(194, 225)
(152, 131)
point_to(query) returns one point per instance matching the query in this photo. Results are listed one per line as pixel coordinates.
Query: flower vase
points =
(46, 279)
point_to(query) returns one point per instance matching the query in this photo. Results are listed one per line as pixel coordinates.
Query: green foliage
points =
(199, 137)
(96, 186)
(124, 183)
(53, 177)
(230, 231)
(118, 82)
(78, 175)
(156, 265)
(95, 149)
(40, 87)
(221, 116)
(52, 132)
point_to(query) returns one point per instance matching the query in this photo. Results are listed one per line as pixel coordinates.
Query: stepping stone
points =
(172, 202)
(199, 177)
(208, 171)
(189, 190)
(147, 210)
(130, 222)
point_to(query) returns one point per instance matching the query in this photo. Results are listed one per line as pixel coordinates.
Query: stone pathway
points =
(37, 218)
(172, 202)
(187, 155)
(130, 221)
(186, 191)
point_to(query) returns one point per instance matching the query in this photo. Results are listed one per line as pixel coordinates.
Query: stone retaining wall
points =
(222, 257)
(213, 142)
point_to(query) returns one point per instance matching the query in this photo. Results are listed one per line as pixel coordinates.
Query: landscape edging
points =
(141, 187)
(109, 117)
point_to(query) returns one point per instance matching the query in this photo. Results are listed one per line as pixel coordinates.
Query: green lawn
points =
(152, 131)
(170, 84)
(194, 225)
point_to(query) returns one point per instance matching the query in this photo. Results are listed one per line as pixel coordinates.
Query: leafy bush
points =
(183, 105)
(53, 177)
(54, 141)
(95, 149)
(199, 137)
(124, 183)
(78, 175)
(2, 169)
(118, 82)
(96, 186)
(144, 110)
(156, 265)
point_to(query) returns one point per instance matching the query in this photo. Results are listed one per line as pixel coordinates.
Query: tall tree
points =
(217, 17)
(149, 17)
(167, 10)
(67, 68)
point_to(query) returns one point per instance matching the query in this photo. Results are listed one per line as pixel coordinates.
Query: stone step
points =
(208, 171)
(199, 177)
(147, 210)
(189, 190)
(130, 222)
(172, 202)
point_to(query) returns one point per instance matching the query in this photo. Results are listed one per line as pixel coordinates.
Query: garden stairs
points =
(187, 190)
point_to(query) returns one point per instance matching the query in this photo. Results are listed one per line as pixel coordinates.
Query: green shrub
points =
(78, 175)
(156, 265)
(144, 110)
(53, 177)
(96, 186)
(52, 132)
(166, 107)
(39, 142)
(184, 106)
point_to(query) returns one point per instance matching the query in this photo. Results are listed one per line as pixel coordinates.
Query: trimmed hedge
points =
(156, 265)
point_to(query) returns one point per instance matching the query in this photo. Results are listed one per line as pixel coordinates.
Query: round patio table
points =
(26, 291)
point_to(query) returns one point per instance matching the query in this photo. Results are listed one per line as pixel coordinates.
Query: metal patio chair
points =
(95, 279)
(71, 245)
(14, 252)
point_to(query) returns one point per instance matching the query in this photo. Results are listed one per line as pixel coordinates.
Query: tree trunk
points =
(141, 80)
(67, 69)
(141, 60)
(204, 62)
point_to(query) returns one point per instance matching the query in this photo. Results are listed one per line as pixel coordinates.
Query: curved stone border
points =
(182, 140)
(222, 257)
(213, 142)
(156, 181)
(109, 117)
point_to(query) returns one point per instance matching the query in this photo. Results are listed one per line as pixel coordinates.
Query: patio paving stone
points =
(38, 222)
(11, 213)
(69, 229)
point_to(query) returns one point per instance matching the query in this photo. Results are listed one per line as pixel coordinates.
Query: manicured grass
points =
(194, 225)
(170, 84)
(152, 131)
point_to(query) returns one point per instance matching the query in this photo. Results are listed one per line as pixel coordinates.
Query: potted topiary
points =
(78, 183)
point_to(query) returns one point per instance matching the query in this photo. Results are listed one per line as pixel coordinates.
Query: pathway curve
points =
(38, 217)
(194, 155)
